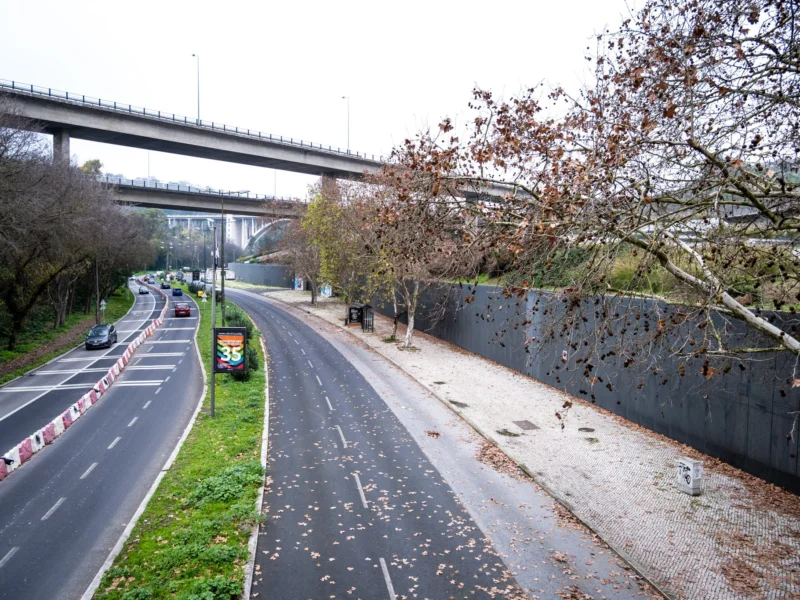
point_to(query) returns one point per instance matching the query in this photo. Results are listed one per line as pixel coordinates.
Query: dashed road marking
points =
(388, 579)
(114, 443)
(8, 556)
(146, 404)
(89, 470)
(133, 421)
(360, 490)
(317, 376)
(329, 403)
(309, 364)
(344, 441)
(158, 390)
(303, 351)
(49, 513)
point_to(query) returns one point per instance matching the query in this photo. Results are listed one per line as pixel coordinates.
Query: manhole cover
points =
(526, 425)
(586, 429)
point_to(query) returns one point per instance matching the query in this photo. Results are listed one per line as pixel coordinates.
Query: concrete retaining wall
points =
(742, 416)
(269, 275)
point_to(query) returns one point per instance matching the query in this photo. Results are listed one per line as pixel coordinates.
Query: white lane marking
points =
(150, 367)
(289, 332)
(296, 342)
(133, 421)
(114, 443)
(178, 329)
(303, 351)
(74, 386)
(169, 342)
(158, 390)
(173, 370)
(309, 364)
(388, 579)
(284, 326)
(138, 383)
(329, 403)
(180, 361)
(138, 360)
(150, 349)
(146, 404)
(167, 379)
(360, 490)
(48, 514)
(341, 435)
(89, 470)
(162, 354)
(181, 319)
(8, 556)
(317, 376)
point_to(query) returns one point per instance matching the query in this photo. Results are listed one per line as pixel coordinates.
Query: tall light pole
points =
(197, 56)
(348, 122)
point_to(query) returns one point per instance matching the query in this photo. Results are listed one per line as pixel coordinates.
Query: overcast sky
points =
(283, 67)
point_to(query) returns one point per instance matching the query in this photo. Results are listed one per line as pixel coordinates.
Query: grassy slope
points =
(191, 540)
(76, 326)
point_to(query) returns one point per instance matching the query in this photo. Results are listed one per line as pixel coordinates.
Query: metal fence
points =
(744, 417)
(59, 95)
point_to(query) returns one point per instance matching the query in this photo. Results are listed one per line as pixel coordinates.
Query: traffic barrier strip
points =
(23, 451)
(48, 433)
(37, 441)
(58, 426)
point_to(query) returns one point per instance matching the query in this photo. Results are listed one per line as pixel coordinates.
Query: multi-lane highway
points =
(374, 490)
(61, 513)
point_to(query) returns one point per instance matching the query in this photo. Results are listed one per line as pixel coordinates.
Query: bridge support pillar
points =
(61, 146)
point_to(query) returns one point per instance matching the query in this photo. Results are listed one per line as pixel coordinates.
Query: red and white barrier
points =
(47, 435)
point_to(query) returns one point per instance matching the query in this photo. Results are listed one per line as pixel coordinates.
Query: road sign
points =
(102, 304)
(195, 275)
(230, 347)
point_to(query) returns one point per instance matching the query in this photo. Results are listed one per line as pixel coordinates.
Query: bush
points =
(251, 364)
(228, 485)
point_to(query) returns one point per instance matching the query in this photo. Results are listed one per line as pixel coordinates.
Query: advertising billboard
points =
(230, 345)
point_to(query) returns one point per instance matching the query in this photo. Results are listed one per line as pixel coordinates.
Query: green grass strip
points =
(117, 307)
(191, 540)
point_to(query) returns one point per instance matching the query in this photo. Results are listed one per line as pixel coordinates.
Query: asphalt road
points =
(357, 509)
(61, 513)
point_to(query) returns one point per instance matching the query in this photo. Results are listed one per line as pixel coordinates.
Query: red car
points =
(182, 309)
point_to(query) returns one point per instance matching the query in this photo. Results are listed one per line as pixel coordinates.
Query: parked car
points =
(101, 336)
(177, 292)
(143, 290)
(165, 285)
(182, 309)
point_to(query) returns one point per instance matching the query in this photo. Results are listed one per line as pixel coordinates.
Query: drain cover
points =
(526, 425)
(586, 429)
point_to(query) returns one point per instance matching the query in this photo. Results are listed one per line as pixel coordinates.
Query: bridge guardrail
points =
(190, 189)
(35, 90)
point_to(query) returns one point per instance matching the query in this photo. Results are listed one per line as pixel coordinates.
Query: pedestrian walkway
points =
(739, 539)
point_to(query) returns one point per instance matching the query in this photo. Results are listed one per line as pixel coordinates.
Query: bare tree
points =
(681, 158)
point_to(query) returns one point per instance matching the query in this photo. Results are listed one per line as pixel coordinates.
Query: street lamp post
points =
(348, 122)
(197, 56)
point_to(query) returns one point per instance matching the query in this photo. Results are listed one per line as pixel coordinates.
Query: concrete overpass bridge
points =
(67, 115)
(183, 197)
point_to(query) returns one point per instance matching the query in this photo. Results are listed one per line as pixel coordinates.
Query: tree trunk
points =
(396, 318)
(313, 290)
(412, 310)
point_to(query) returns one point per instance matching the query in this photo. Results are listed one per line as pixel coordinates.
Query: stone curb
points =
(524, 468)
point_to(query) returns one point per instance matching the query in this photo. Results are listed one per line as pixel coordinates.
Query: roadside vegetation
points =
(191, 541)
(39, 342)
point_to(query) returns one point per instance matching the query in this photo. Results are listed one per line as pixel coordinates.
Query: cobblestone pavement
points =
(739, 539)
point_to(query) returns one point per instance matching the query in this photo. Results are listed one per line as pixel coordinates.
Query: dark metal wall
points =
(269, 275)
(742, 416)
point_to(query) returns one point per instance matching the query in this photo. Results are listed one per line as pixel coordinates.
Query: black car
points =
(101, 336)
(165, 285)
